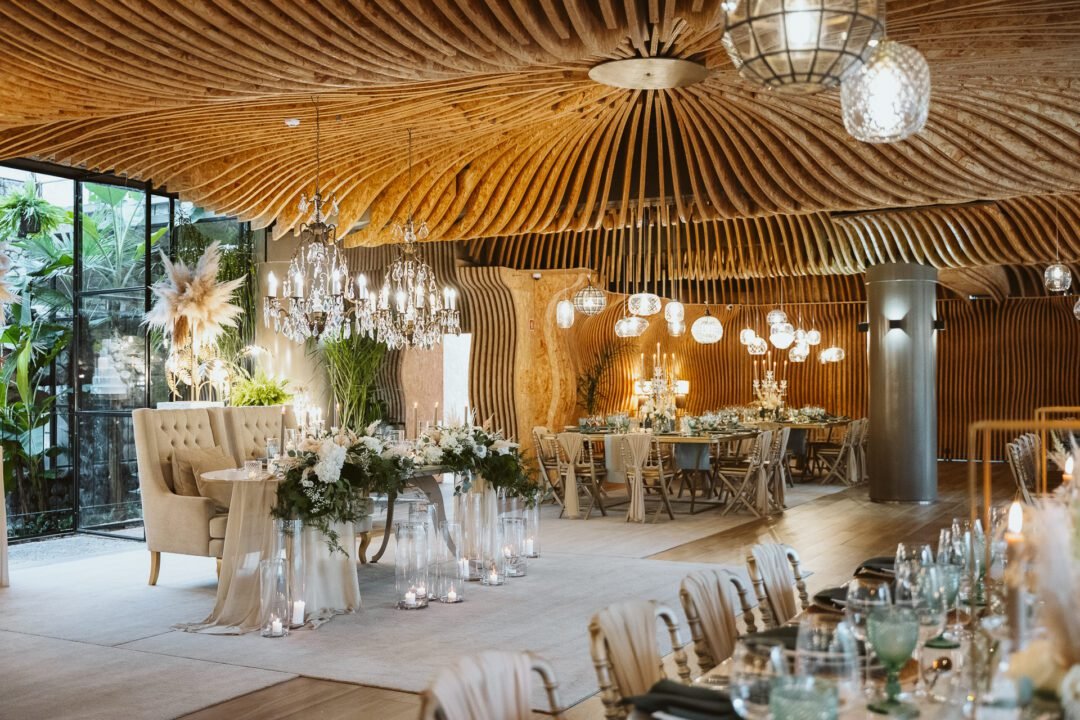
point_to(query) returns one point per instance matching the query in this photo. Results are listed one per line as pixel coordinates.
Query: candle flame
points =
(1069, 465)
(1016, 518)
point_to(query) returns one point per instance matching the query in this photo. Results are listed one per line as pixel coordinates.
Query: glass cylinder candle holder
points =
(532, 530)
(509, 505)
(426, 513)
(494, 568)
(274, 597)
(452, 570)
(291, 544)
(468, 512)
(411, 565)
(512, 531)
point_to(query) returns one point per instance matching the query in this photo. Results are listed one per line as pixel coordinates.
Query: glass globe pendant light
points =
(631, 326)
(782, 335)
(1076, 309)
(676, 328)
(747, 335)
(564, 314)
(775, 317)
(590, 300)
(813, 336)
(799, 352)
(1057, 278)
(674, 311)
(799, 46)
(707, 330)
(644, 304)
(758, 346)
(887, 99)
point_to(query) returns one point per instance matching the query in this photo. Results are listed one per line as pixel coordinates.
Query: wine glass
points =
(826, 649)
(863, 595)
(914, 552)
(894, 633)
(803, 697)
(923, 591)
(754, 667)
(952, 574)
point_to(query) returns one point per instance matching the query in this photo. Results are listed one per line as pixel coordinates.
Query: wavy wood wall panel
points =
(994, 361)
(494, 337)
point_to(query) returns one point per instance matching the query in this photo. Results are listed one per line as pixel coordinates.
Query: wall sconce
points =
(863, 326)
(896, 324)
(682, 387)
(939, 324)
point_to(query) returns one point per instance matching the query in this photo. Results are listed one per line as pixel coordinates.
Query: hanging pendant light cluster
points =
(411, 309)
(805, 46)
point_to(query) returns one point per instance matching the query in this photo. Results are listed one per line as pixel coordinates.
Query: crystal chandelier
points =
(799, 46)
(317, 294)
(888, 98)
(674, 311)
(412, 309)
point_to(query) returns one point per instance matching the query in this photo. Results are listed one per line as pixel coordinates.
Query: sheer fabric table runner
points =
(331, 586)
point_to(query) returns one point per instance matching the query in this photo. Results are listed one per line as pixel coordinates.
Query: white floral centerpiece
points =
(327, 480)
(658, 414)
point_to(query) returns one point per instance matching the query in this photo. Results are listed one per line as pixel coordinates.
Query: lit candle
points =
(1067, 477)
(452, 595)
(642, 365)
(410, 598)
(435, 421)
(281, 446)
(1014, 576)
(421, 591)
(416, 419)
(271, 284)
(298, 612)
(493, 577)
(275, 627)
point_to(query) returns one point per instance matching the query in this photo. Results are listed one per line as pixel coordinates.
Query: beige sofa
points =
(183, 524)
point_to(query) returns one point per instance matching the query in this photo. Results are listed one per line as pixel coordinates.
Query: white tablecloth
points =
(331, 586)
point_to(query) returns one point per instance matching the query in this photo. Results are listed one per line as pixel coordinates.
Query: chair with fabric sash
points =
(626, 653)
(1016, 454)
(656, 473)
(579, 471)
(709, 599)
(544, 444)
(747, 485)
(491, 685)
(776, 469)
(842, 463)
(776, 574)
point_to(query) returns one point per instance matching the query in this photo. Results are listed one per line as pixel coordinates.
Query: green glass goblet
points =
(893, 632)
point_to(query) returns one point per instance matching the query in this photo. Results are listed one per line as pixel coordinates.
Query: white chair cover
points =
(629, 629)
(638, 446)
(571, 443)
(491, 685)
(3, 528)
(717, 602)
(775, 570)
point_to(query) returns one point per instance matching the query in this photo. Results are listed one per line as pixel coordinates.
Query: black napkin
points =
(877, 566)
(832, 598)
(684, 701)
(786, 635)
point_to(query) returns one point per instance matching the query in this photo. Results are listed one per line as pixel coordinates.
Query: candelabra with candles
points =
(660, 394)
(769, 391)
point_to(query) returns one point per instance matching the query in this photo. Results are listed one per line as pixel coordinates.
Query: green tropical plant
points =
(24, 213)
(352, 364)
(260, 389)
(590, 384)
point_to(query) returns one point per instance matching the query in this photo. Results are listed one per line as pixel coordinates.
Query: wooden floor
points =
(832, 534)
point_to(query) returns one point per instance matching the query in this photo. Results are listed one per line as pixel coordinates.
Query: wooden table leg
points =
(390, 498)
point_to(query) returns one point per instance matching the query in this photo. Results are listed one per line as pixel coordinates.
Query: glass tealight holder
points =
(252, 469)
(451, 570)
(468, 512)
(532, 529)
(426, 513)
(273, 448)
(512, 530)
(509, 505)
(411, 565)
(494, 568)
(274, 597)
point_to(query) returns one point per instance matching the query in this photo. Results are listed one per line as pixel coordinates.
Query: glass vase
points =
(509, 505)
(411, 565)
(426, 513)
(512, 533)
(274, 597)
(451, 569)
(291, 547)
(532, 529)
(468, 512)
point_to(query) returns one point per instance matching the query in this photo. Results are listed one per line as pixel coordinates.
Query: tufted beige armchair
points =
(248, 428)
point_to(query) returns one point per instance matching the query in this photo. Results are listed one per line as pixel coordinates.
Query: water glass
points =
(914, 552)
(754, 668)
(923, 591)
(826, 649)
(252, 469)
(864, 595)
(273, 448)
(802, 697)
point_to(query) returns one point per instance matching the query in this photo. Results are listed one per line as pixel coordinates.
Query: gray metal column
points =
(903, 382)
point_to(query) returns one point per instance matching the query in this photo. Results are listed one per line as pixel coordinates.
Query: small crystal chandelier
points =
(799, 46)
(317, 294)
(590, 300)
(564, 314)
(888, 98)
(1057, 278)
(707, 330)
(412, 309)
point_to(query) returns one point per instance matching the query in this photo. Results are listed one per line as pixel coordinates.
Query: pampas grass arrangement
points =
(192, 307)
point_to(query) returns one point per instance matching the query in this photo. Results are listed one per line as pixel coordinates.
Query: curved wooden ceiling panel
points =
(513, 138)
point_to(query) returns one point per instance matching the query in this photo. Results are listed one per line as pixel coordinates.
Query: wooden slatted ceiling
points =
(511, 136)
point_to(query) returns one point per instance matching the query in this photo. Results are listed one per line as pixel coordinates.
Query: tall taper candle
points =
(1015, 612)
(416, 419)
